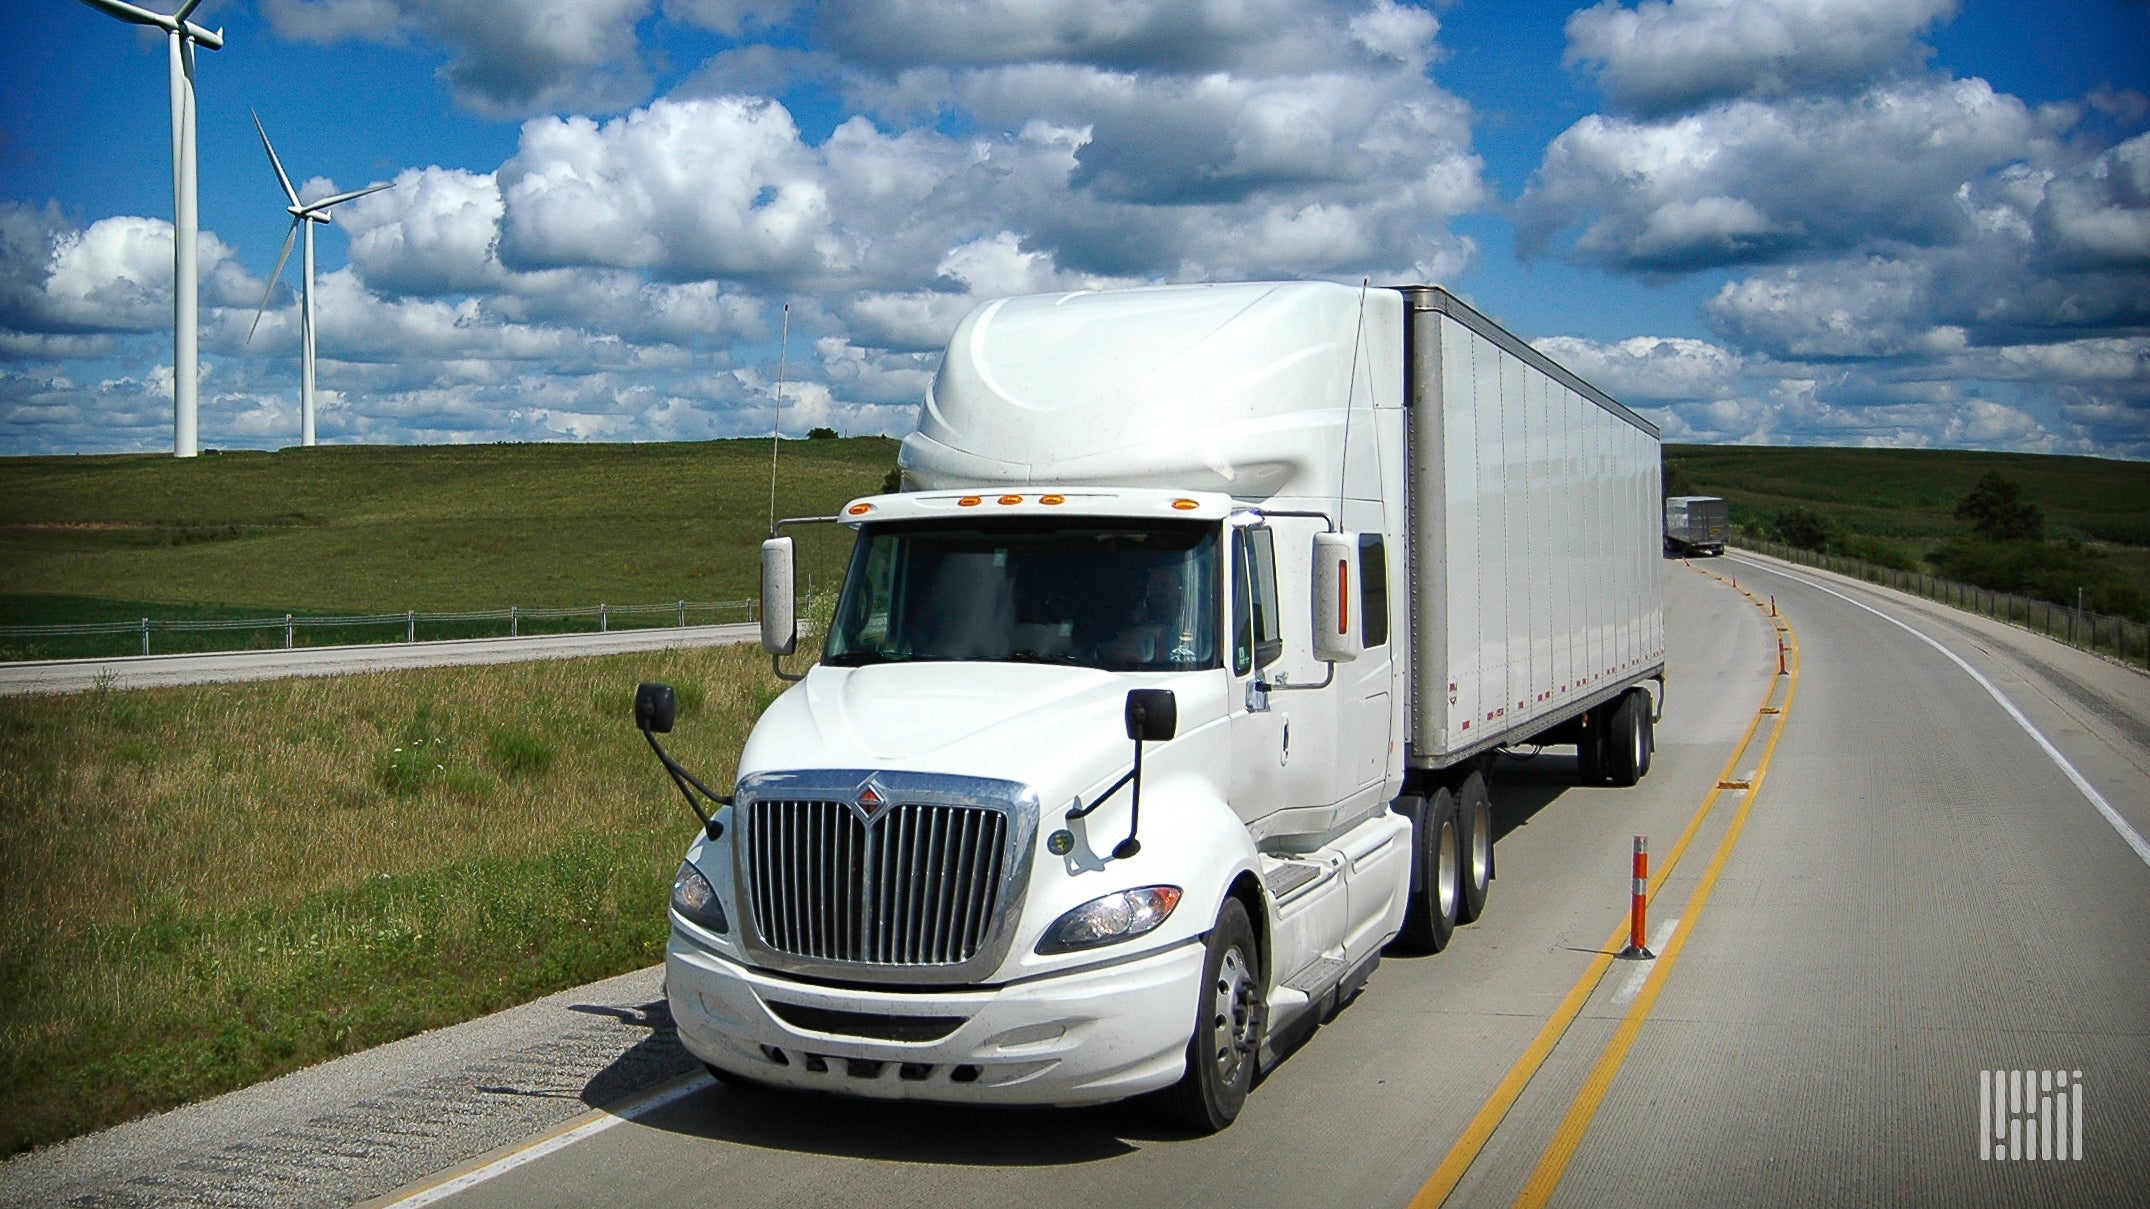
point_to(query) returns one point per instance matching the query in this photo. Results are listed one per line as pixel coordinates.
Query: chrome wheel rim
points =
(1232, 1015)
(1447, 873)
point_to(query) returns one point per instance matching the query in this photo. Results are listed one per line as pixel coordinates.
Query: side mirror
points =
(1153, 714)
(1336, 586)
(655, 706)
(779, 608)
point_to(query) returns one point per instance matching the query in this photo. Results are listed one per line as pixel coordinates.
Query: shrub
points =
(1804, 528)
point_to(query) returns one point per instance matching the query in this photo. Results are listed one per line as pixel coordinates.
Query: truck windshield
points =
(1116, 596)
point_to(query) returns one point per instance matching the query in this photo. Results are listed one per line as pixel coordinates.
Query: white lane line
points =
(2127, 831)
(544, 1146)
(1641, 973)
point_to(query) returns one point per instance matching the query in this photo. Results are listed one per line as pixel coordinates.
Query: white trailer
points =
(1317, 552)
(1696, 524)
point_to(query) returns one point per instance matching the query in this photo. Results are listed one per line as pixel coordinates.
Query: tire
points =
(1437, 875)
(1226, 1044)
(1474, 836)
(1626, 739)
(1590, 747)
(1649, 737)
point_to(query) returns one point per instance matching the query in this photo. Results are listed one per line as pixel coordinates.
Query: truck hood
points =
(1058, 729)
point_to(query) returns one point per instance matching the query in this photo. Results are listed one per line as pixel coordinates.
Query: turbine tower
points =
(182, 36)
(303, 214)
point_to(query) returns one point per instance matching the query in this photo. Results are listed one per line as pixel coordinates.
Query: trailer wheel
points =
(1627, 739)
(1649, 736)
(1437, 874)
(1474, 816)
(1227, 1029)
(1590, 747)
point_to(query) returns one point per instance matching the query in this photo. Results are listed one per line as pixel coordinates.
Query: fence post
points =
(410, 625)
(145, 635)
(682, 614)
(287, 631)
(514, 622)
(603, 621)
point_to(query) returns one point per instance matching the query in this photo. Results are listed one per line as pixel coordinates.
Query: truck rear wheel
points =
(1627, 737)
(1590, 747)
(1474, 816)
(1437, 874)
(1227, 1028)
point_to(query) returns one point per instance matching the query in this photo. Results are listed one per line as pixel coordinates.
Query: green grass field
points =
(368, 528)
(210, 886)
(1907, 494)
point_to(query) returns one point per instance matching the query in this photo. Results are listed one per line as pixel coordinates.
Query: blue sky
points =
(1893, 222)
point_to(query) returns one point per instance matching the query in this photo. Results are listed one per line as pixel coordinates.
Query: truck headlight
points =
(695, 898)
(1109, 920)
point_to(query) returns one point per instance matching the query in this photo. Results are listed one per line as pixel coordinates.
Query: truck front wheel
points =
(1227, 1029)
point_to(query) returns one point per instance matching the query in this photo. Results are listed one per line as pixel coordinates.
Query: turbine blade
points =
(282, 177)
(274, 275)
(340, 198)
(186, 10)
(128, 12)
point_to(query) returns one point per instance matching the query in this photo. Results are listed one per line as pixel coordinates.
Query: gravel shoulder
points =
(369, 1123)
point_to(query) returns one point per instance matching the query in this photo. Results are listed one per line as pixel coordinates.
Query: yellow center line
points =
(1467, 1147)
(1553, 1164)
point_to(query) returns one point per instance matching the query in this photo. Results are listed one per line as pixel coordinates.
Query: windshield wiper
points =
(858, 658)
(1028, 656)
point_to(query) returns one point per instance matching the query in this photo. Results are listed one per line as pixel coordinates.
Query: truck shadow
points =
(1523, 786)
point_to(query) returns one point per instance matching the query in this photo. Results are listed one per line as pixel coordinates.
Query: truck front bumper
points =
(1084, 1037)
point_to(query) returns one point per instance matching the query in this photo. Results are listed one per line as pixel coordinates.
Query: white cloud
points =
(1748, 183)
(1662, 56)
(1652, 368)
(113, 276)
(686, 188)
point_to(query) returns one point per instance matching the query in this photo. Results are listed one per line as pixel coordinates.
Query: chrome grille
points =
(919, 886)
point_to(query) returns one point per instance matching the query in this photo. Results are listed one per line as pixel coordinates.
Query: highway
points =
(1874, 881)
(154, 671)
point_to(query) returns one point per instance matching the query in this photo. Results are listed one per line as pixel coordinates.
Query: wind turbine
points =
(182, 36)
(303, 214)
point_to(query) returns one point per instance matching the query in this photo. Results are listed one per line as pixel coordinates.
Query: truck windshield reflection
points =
(1111, 595)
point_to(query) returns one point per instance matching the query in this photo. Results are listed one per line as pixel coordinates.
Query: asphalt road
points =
(1888, 886)
(150, 671)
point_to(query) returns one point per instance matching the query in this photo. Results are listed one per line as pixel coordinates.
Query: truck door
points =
(1261, 734)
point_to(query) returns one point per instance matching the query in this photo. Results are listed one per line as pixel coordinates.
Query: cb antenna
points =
(776, 423)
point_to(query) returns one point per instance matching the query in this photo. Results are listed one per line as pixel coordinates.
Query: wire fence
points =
(94, 639)
(2125, 640)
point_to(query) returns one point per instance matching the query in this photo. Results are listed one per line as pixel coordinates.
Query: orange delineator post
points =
(1638, 927)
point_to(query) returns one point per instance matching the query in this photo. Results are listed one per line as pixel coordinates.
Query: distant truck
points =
(1696, 524)
(1163, 697)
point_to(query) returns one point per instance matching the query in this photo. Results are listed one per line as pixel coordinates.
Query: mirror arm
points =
(1282, 687)
(682, 778)
(776, 665)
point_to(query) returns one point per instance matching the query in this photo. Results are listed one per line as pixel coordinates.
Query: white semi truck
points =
(1696, 524)
(1162, 699)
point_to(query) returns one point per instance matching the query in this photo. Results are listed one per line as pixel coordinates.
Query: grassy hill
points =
(1905, 496)
(368, 528)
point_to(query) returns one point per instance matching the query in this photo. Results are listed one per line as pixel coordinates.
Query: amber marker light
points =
(968, 501)
(1011, 499)
(859, 509)
(1186, 505)
(1052, 499)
